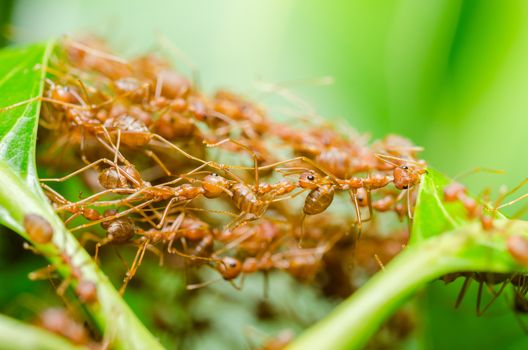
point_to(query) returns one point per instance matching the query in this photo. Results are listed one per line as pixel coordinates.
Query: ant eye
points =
(310, 177)
(404, 167)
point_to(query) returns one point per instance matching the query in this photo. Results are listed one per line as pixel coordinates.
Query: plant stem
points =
(110, 312)
(16, 335)
(352, 323)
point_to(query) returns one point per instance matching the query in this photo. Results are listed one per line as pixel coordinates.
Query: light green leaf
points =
(22, 72)
(21, 79)
(432, 215)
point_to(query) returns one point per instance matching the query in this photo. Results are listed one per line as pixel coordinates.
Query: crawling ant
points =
(38, 229)
(456, 192)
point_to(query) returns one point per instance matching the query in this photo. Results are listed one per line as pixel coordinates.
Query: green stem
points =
(110, 312)
(352, 323)
(16, 335)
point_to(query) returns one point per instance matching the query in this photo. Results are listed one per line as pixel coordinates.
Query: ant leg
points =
(158, 252)
(164, 215)
(409, 212)
(301, 224)
(185, 154)
(386, 157)
(495, 296)
(302, 159)
(98, 246)
(90, 200)
(135, 265)
(237, 287)
(479, 298)
(113, 217)
(158, 161)
(478, 170)
(174, 228)
(463, 290)
(235, 242)
(253, 154)
(192, 257)
(369, 203)
(380, 263)
(95, 52)
(118, 143)
(77, 172)
(184, 176)
(73, 216)
(87, 236)
(240, 219)
(512, 202)
(288, 197)
(353, 196)
(53, 195)
(203, 284)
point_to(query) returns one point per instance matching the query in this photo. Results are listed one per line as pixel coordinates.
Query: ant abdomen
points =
(38, 228)
(120, 230)
(111, 178)
(518, 249)
(318, 199)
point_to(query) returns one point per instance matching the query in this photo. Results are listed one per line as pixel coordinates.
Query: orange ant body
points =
(38, 229)
(457, 192)
(518, 249)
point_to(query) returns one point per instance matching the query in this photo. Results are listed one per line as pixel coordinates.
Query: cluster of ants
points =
(146, 142)
(147, 138)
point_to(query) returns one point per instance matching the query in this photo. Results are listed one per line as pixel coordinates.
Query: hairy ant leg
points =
(515, 189)
(253, 155)
(113, 217)
(495, 294)
(467, 281)
(138, 259)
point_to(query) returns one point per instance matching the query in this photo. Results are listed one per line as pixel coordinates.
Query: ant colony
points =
(212, 181)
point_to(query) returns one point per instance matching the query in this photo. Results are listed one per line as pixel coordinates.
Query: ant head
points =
(309, 180)
(362, 197)
(229, 267)
(214, 185)
(406, 176)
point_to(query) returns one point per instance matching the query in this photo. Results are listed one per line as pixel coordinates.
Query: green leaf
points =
(15, 335)
(467, 248)
(432, 215)
(22, 72)
(21, 78)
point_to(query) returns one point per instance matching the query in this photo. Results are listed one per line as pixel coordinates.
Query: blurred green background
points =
(450, 75)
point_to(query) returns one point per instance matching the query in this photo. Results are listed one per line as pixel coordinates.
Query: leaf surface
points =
(432, 215)
(22, 72)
